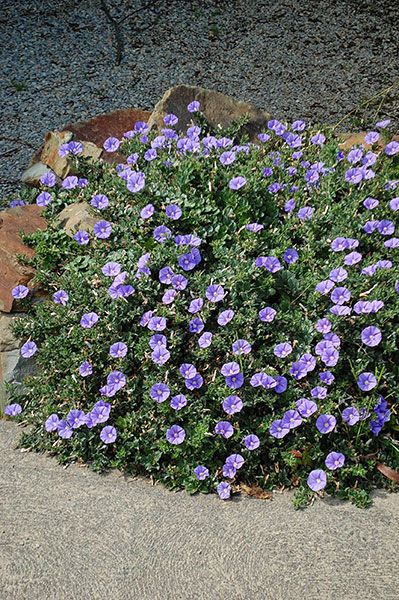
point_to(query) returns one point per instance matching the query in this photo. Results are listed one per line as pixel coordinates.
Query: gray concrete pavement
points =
(69, 534)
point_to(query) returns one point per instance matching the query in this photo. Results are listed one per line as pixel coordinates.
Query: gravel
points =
(314, 60)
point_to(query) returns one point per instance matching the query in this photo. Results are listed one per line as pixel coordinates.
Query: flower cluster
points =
(230, 315)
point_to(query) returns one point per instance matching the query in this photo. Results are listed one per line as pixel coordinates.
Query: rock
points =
(49, 155)
(77, 216)
(8, 341)
(113, 124)
(32, 175)
(218, 109)
(356, 139)
(13, 370)
(12, 273)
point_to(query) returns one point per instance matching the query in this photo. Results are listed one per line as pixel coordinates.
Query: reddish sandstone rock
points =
(12, 221)
(113, 124)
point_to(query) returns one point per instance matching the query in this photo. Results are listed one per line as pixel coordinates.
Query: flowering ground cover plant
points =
(231, 319)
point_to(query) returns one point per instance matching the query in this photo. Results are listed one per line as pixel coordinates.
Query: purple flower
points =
(99, 201)
(190, 260)
(160, 355)
(224, 428)
(118, 350)
(290, 256)
(111, 269)
(282, 350)
(317, 480)
(201, 472)
(51, 423)
(82, 238)
(194, 383)
(178, 402)
(353, 258)
(271, 264)
(319, 392)
(76, 418)
(165, 275)
(64, 429)
(318, 139)
(338, 275)
(215, 293)
(394, 204)
(28, 349)
(85, 369)
(15, 203)
(226, 158)
(235, 381)
(298, 370)
(267, 314)
(19, 292)
(225, 317)
(370, 203)
(231, 368)
(289, 205)
(205, 340)
(306, 407)
(305, 213)
(196, 325)
(323, 326)
(237, 182)
(157, 324)
(61, 297)
(392, 148)
(188, 371)
(224, 490)
(235, 461)
(254, 227)
(169, 296)
(173, 211)
(232, 405)
(135, 182)
(111, 144)
(291, 419)
(334, 460)
(327, 377)
(371, 336)
(88, 320)
(108, 434)
(195, 305)
(326, 423)
(48, 179)
(160, 392)
(43, 199)
(100, 413)
(251, 442)
(194, 106)
(278, 429)
(170, 120)
(366, 381)
(340, 295)
(385, 227)
(371, 137)
(175, 435)
(282, 384)
(350, 415)
(70, 182)
(298, 126)
(161, 233)
(12, 410)
(241, 347)
(102, 230)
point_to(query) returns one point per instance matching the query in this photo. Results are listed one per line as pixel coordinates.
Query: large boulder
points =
(13, 221)
(31, 176)
(217, 108)
(8, 341)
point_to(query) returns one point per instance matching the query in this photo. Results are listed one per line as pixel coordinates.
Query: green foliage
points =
(218, 215)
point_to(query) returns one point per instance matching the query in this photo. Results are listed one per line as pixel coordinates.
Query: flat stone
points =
(8, 341)
(77, 216)
(357, 139)
(12, 221)
(218, 109)
(49, 155)
(13, 370)
(33, 173)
